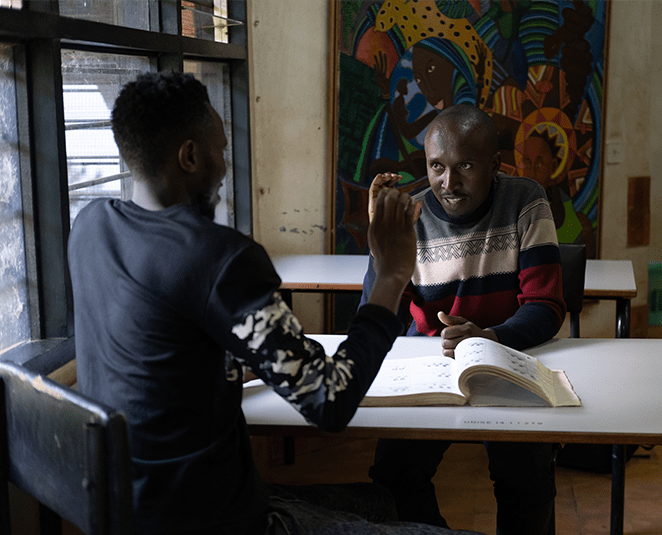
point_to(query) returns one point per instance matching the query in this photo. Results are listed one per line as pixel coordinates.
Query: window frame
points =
(41, 33)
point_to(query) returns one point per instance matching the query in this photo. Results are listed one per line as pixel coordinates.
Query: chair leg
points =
(574, 325)
(50, 523)
(5, 524)
(289, 450)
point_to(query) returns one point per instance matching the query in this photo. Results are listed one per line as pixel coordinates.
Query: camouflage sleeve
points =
(325, 389)
(247, 317)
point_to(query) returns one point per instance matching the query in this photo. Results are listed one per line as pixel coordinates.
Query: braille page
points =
(486, 356)
(418, 376)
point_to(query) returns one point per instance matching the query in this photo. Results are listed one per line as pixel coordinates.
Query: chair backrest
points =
(67, 451)
(573, 270)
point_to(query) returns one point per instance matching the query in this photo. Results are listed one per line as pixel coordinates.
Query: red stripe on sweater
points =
(538, 284)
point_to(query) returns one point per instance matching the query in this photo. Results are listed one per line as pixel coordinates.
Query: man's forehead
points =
(214, 114)
(217, 120)
(452, 132)
(460, 131)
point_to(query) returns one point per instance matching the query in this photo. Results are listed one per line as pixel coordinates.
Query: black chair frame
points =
(573, 273)
(67, 451)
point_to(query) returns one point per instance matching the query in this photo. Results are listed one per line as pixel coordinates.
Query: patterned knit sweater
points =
(498, 267)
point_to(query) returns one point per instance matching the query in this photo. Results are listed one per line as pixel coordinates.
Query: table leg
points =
(617, 489)
(289, 451)
(50, 523)
(618, 451)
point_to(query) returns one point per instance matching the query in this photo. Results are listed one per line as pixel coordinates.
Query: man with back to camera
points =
(487, 265)
(169, 306)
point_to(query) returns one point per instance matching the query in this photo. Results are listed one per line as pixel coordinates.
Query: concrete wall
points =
(288, 40)
(290, 72)
(632, 121)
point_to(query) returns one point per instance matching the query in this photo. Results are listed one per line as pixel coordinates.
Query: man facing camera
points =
(487, 265)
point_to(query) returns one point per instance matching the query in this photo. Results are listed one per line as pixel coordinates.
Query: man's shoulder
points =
(201, 239)
(93, 211)
(204, 228)
(509, 182)
(517, 190)
(180, 225)
(103, 207)
(102, 203)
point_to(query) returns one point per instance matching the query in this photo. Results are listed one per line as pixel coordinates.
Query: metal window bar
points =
(209, 4)
(224, 21)
(42, 32)
(84, 125)
(97, 181)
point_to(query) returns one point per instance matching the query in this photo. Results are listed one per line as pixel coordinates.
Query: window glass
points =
(206, 19)
(91, 82)
(216, 77)
(129, 13)
(14, 318)
(13, 4)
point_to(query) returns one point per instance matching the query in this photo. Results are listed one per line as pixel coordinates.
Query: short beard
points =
(205, 206)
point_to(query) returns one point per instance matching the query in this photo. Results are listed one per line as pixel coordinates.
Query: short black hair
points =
(468, 117)
(154, 111)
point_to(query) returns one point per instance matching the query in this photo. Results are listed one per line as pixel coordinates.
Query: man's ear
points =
(189, 156)
(496, 163)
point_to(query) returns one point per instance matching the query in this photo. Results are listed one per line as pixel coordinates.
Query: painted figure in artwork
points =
(403, 61)
(542, 163)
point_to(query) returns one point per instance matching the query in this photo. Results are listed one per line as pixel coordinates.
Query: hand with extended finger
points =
(392, 242)
(457, 329)
(381, 181)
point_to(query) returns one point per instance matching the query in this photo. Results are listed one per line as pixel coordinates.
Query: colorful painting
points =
(536, 66)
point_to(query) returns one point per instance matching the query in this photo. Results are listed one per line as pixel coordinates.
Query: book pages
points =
(483, 373)
(479, 356)
(481, 351)
(564, 393)
(415, 376)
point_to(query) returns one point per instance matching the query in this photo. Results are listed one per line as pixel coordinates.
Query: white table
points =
(322, 272)
(604, 279)
(618, 381)
(612, 279)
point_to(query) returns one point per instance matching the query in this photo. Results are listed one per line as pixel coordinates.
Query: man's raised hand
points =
(381, 181)
(392, 242)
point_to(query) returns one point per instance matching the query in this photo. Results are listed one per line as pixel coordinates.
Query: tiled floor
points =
(464, 490)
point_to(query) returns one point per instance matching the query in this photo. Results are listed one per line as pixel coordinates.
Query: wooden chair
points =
(573, 272)
(65, 450)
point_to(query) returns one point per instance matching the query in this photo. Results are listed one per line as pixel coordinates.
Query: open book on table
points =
(484, 373)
